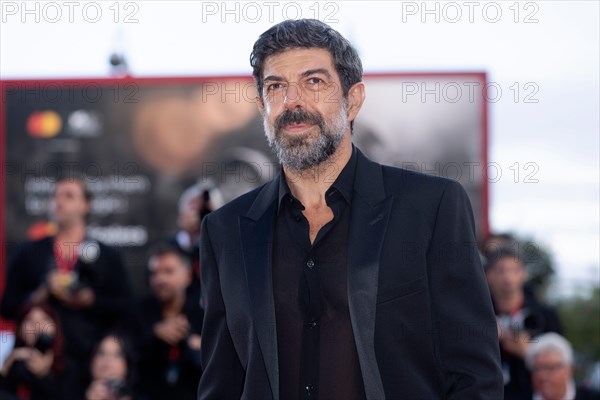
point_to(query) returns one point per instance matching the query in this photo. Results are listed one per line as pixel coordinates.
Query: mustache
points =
(298, 116)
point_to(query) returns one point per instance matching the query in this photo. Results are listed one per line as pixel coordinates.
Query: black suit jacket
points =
(420, 308)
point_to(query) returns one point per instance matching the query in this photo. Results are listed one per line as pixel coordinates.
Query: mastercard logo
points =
(44, 124)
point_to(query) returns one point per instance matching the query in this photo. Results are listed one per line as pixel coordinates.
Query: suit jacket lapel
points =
(368, 223)
(256, 234)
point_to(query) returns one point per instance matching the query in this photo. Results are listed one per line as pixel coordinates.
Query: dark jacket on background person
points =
(543, 319)
(56, 385)
(20, 379)
(583, 393)
(159, 362)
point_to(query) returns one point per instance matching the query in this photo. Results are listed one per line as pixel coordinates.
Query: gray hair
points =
(549, 342)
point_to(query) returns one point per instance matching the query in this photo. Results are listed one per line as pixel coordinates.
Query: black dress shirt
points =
(316, 347)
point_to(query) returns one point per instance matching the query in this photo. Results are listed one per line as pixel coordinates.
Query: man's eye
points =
(274, 86)
(314, 81)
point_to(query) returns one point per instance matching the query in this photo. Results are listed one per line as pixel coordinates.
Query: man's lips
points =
(297, 127)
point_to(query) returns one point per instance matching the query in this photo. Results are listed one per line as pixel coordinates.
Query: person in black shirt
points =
(341, 278)
(172, 321)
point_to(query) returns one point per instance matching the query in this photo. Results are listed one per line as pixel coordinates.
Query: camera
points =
(117, 388)
(44, 342)
(204, 209)
(19, 369)
(526, 320)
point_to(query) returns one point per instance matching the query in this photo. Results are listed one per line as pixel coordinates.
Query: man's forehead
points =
(506, 262)
(69, 185)
(164, 260)
(298, 61)
(548, 354)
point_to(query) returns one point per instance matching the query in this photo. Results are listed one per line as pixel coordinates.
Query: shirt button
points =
(309, 389)
(291, 199)
(310, 264)
(297, 218)
(312, 324)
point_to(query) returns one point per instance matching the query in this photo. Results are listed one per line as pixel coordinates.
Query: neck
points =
(509, 304)
(174, 306)
(309, 186)
(74, 232)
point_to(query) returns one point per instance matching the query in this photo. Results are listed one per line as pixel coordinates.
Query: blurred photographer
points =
(172, 322)
(112, 370)
(519, 315)
(194, 204)
(84, 280)
(35, 369)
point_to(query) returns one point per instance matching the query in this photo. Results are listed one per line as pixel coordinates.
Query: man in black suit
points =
(341, 278)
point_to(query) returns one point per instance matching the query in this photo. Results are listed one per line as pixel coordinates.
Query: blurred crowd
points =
(537, 361)
(80, 333)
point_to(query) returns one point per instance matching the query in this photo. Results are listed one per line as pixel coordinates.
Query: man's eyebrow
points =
(309, 72)
(273, 78)
(323, 71)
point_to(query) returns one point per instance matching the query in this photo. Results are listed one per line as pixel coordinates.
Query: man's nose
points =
(293, 96)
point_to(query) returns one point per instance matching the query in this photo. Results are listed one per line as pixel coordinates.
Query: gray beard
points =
(301, 152)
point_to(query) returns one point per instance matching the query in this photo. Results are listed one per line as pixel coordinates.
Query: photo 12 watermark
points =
(70, 92)
(268, 11)
(53, 12)
(457, 91)
(453, 12)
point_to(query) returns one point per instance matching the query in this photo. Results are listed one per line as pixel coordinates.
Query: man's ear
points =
(355, 99)
(524, 270)
(259, 103)
(88, 209)
(189, 276)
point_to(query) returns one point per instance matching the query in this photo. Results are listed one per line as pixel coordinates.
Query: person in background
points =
(520, 318)
(495, 241)
(550, 360)
(35, 368)
(171, 325)
(83, 280)
(194, 204)
(112, 370)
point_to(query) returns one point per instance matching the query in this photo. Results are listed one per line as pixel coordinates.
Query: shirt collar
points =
(344, 182)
